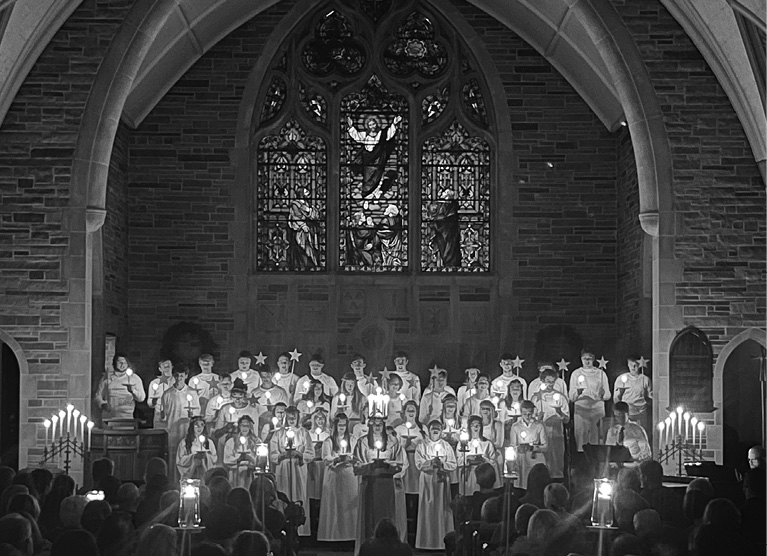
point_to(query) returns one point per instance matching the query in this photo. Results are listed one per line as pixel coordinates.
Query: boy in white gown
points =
(180, 403)
(528, 436)
(589, 390)
(553, 411)
(435, 459)
(635, 389)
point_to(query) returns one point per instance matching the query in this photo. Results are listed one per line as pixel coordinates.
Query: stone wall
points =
(40, 303)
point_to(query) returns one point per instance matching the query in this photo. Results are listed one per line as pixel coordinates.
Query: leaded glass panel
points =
(455, 201)
(291, 201)
(474, 102)
(415, 49)
(433, 105)
(274, 99)
(333, 50)
(373, 180)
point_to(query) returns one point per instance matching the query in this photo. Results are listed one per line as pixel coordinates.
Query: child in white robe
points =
(240, 453)
(410, 434)
(290, 449)
(180, 403)
(477, 449)
(589, 390)
(528, 436)
(553, 411)
(197, 452)
(435, 459)
(340, 491)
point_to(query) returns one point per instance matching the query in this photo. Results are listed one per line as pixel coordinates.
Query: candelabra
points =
(69, 444)
(674, 434)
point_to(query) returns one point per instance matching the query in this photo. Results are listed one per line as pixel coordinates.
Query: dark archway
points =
(741, 402)
(10, 373)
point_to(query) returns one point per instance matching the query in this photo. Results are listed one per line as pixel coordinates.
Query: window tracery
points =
(358, 123)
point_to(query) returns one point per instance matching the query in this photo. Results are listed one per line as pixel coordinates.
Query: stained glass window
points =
(374, 180)
(291, 199)
(374, 117)
(455, 202)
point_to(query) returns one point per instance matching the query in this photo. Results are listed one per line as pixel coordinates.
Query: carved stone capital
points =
(94, 218)
(650, 222)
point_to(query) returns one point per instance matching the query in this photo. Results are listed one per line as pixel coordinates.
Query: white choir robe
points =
(535, 433)
(154, 398)
(634, 439)
(365, 454)
(251, 378)
(479, 451)
(411, 385)
(113, 389)
(410, 438)
(177, 409)
(633, 392)
(535, 386)
(588, 410)
(340, 496)
(289, 475)
(307, 407)
(500, 385)
(432, 400)
(286, 381)
(315, 470)
(493, 431)
(225, 416)
(329, 386)
(205, 387)
(471, 405)
(346, 407)
(554, 425)
(265, 404)
(240, 472)
(435, 518)
(394, 411)
(214, 405)
(191, 468)
(465, 392)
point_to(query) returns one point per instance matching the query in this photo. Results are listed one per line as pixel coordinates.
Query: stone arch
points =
(24, 429)
(757, 335)
(8, 340)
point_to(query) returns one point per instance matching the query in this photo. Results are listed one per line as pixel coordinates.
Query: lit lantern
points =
(189, 504)
(602, 503)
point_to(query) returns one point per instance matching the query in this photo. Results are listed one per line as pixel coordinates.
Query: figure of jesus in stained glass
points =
(377, 144)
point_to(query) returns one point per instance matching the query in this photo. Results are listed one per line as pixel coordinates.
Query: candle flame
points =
(290, 433)
(275, 420)
(510, 453)
(318, 431)
(344, 443)
(581, 378)
(342, 397)
(155, 386)
(378, 444)
(70, 407)
(557, 397)
(129, 371)
(232, 410)
(243, 440)
(202, 439)
(701, 426)
(661, 426)
(91, 424)
(189, 397)
(46, 423)
(262, 450)
(83, 418)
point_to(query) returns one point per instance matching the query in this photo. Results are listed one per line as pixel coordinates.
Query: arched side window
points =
(691, 371)
(374, 146)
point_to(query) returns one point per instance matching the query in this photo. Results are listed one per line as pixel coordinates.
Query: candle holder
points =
(675, 446)
(510, 460)
(189, 504)
(70, 444)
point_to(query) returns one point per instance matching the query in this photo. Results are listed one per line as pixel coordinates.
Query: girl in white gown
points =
(197, 452)
(340, 497)
(240, 453)
(477, 450)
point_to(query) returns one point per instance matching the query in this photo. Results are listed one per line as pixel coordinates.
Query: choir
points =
(354, 452)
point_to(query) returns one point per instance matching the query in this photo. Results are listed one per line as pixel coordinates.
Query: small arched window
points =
(374, 143)
(691, 371)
